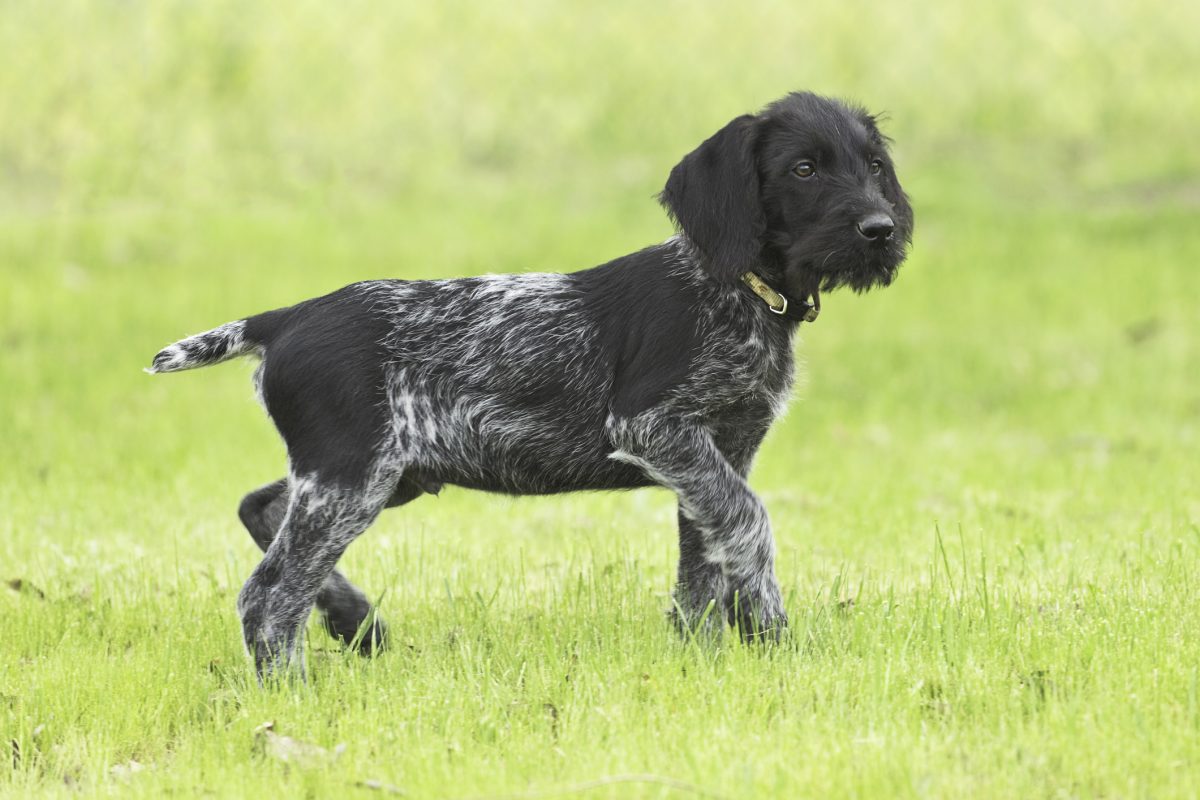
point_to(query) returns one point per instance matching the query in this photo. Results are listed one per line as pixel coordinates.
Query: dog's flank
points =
(662, 367)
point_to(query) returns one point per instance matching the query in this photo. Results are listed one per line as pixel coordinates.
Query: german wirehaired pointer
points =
(664, 367)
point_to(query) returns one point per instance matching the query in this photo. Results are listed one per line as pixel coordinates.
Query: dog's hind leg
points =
(262, 510)
(723, 523)
(322, 518)
(342, 605)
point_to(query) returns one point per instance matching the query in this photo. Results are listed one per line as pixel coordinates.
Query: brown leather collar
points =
(805, 311)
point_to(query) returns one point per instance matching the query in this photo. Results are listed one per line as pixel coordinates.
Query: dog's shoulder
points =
(643, 307)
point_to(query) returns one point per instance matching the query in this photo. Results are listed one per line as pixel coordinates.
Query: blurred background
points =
(166, 167)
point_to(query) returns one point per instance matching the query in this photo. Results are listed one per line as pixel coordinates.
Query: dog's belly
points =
(522, 451)
(517, 479)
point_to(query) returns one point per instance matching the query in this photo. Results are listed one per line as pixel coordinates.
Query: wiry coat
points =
(661, 367)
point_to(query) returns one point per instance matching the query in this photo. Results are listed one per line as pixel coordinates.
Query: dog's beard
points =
(815, 263)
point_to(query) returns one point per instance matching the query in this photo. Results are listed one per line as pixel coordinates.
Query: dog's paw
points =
(366, 636)
(757, 628)
(696, 609)
(278, 658)
(756, 612)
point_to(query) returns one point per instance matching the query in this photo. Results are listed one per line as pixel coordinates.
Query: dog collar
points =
(778, 302)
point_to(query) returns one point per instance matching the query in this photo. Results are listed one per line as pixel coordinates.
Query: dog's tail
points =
(211, 347)
(252, 335)
(245, 336)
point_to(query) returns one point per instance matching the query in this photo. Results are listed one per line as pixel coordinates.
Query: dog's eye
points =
(805, 169)
(876, 166)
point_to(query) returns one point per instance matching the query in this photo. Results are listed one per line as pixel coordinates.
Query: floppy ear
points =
(713, 197)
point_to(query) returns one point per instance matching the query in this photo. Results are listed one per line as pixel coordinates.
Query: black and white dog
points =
(665, 367)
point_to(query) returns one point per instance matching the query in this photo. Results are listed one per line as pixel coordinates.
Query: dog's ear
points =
(871, 123)
(713, 197)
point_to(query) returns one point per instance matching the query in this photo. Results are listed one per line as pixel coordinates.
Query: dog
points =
(665, 367)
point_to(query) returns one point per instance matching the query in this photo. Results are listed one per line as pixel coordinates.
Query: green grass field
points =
(986, 493)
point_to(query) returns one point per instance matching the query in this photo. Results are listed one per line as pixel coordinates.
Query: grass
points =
(985, 495)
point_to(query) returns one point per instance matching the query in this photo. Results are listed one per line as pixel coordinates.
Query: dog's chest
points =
(750, 374)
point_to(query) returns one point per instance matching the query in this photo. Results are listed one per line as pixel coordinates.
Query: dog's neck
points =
(799, 310)
(803, 301)
(765, 280)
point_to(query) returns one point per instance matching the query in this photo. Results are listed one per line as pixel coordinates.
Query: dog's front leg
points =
(718, 511)
(700, 588)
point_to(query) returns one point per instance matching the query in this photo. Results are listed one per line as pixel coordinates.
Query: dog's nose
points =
(876, 226)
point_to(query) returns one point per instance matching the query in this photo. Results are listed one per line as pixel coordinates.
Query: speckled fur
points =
(211, 347)
(658, 368)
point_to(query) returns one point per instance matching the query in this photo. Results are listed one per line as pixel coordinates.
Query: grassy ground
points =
(985, 495)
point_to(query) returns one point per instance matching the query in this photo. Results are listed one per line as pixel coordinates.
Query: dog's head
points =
(804, 190)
